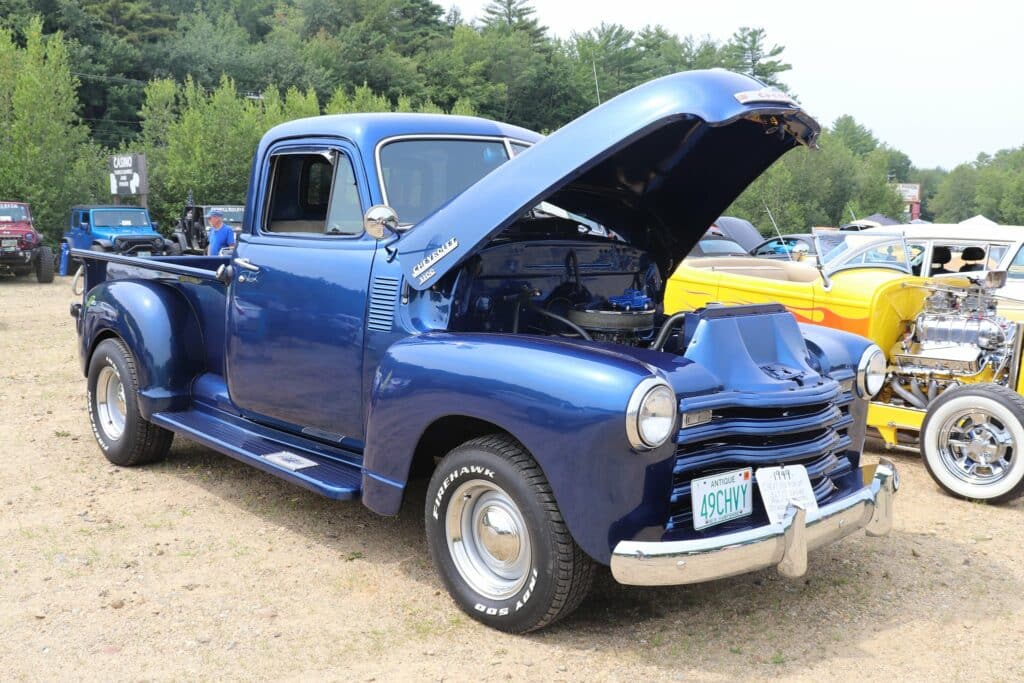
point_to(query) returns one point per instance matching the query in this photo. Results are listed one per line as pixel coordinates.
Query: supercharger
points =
(957, 336)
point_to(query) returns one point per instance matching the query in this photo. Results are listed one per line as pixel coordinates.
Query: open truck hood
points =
(657, 164)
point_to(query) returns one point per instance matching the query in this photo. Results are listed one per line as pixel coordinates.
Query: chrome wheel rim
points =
(488, 540)
(110, 403)
(976, 446)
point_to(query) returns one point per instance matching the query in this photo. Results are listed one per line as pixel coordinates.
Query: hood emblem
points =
(424, 266)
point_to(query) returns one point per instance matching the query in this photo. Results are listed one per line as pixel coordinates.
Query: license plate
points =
(779, 486)
(722, 497)
(143, 253)
(9, 243)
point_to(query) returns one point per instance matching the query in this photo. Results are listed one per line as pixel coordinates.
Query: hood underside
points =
(656, 164)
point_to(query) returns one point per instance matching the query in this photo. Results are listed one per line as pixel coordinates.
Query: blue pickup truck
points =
(461, 300)
(119, 229)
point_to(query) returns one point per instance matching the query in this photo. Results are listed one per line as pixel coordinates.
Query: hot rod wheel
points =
(498, 540)
(971, 442)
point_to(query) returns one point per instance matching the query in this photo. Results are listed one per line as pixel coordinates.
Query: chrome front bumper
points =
(784, 545)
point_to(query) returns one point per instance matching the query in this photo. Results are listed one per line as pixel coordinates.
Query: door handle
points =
(245, 264)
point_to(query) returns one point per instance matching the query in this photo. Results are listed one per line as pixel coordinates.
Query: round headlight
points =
(871, 372)
(651, 414)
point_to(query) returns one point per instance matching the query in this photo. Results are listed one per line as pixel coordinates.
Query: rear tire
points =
(972, 442)
(125, 437)
(498, 540)
(44, 265)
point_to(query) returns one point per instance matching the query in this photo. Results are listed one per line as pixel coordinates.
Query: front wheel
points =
(972, 440)
(127, 438)
(498, 540)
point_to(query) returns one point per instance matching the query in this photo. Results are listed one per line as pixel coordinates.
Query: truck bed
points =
(102, 266)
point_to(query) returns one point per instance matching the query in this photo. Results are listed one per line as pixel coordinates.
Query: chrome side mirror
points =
(379, 221)
(994, 279)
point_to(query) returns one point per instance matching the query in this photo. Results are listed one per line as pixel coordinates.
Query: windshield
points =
(232, 214)
(840, 250)
(12, 212)
(721, 247)
(422, 175)
(120, 218)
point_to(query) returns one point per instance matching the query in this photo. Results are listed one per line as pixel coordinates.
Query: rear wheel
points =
(972, 440)
(498, 540)
(126, 438)
(44, 265)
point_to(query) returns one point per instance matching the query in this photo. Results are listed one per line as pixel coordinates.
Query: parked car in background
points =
(117, 229)
(793, 247)
(738, 230)
(22, 251)
(192, 232)
(716, 246)
(411, 313)
(954, 375)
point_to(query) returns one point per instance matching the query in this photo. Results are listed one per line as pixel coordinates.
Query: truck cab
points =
(468, 301)
(118, 229)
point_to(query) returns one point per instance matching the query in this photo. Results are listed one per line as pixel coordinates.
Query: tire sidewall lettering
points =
(451, 478)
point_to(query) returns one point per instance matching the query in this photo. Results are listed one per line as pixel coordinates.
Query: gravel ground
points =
(201, 568)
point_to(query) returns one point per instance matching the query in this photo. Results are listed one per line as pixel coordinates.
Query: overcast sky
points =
(939, 81)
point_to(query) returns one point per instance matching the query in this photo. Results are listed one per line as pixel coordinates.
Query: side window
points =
(313, 193)
(770, 247)
(346, 212)
(1015, 270)
(996, 252)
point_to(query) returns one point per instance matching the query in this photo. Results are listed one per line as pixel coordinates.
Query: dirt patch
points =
(201, 567)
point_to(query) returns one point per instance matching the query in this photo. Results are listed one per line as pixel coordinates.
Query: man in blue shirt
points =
(221, 235)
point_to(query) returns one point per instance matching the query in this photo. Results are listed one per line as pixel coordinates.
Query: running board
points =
(306, 465)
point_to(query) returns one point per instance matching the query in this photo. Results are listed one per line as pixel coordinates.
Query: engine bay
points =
(957, 338)
(593, 289)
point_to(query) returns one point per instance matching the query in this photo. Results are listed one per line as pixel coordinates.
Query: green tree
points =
(954, 200)
(608, 52)
(748, 52)
(514, 15)
(48, 160)
(856, 137)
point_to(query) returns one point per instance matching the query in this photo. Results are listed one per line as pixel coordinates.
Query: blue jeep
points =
(118, 229)
(454, 298)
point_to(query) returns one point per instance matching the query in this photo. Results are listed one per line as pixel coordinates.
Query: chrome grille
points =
(809, 429)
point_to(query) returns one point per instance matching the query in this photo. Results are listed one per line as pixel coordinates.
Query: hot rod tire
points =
(125, 437)
(44, 265)
(972, 442)
(498, 540)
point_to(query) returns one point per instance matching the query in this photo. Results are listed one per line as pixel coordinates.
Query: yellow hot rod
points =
(953, 384)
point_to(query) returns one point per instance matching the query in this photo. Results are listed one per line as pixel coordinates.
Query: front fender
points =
(161, 330)
(106, 244)
(565, 402)
(835, 350)
(838, 353)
